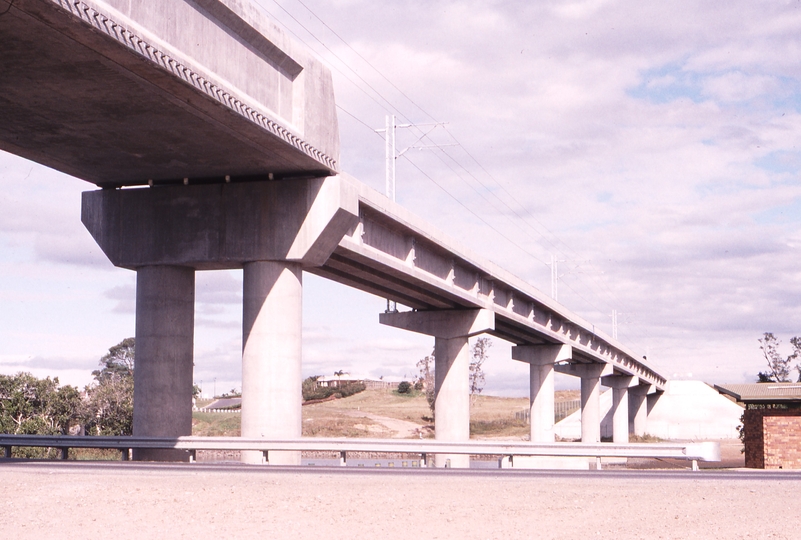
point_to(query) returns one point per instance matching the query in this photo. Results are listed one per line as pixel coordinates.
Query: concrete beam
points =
(445, 324)
(541, 359)
(220, 226)
(165, 318)
(272, 324)
(451, 330)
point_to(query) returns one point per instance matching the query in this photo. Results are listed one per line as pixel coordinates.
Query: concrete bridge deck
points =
(394, 254)
(233, 125)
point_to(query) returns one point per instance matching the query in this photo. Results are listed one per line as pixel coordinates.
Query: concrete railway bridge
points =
(213, 140)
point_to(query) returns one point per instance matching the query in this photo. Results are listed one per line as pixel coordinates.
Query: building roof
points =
(762, 392)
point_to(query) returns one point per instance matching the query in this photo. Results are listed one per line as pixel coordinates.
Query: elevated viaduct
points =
(214, 140)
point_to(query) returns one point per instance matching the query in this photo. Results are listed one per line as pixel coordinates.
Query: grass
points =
(490, 416)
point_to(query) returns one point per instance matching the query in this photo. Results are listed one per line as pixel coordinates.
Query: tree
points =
(779, 367)
(425, 367)
(111, 397)
(479, 353)
(118, 361)
(32, 406)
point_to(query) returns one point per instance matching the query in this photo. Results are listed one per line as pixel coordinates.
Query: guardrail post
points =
(192, 456)
(423, 459)
(124, 453)
(695, 464)
(598, 465)
(7, 452)
(343, 459)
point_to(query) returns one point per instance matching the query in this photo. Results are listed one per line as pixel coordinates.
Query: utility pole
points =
(389, 153)
(555, 277)
(614, 324)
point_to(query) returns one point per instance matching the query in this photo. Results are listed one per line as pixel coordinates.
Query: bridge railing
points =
(700, 451)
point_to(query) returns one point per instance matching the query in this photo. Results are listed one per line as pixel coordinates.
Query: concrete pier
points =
(269, 229)
(165, 321)
(620, 406)
(638, 408)
(271, 356)
(541, 360)
(452, 397)
(451, 330)
(590, 396)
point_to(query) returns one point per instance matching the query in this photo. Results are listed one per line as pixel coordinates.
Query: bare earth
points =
(131, 500)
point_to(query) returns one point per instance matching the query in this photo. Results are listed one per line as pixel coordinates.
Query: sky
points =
(651, 149)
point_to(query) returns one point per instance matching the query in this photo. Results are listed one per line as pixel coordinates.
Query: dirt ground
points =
(120, 501)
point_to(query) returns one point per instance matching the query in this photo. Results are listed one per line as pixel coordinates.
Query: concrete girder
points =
(221, 226)
(117, 92)
(451, 330)
(541, 360)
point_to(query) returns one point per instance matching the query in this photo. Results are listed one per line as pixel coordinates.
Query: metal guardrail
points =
(702, 451)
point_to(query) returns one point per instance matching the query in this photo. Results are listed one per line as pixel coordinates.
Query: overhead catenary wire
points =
(521, 213)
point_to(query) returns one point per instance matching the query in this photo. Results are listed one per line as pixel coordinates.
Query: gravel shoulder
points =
(41, 501)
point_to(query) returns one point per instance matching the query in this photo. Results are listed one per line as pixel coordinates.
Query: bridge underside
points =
(108, 107)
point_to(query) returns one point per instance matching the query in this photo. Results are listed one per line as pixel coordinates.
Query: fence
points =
(561, 409)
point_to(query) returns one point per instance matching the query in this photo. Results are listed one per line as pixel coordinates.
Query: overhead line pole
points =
(390, 156)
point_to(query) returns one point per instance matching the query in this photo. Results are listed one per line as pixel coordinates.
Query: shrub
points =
(404, 387)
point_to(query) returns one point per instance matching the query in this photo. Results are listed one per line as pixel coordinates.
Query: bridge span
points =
(232, 127)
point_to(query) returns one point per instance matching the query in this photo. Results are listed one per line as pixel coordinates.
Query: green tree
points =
(779, 366)
(110, 398)
(32, 406)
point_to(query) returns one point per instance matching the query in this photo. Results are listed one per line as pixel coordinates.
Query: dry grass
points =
(490, 416)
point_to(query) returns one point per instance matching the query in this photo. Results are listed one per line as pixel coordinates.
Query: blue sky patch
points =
(668, 83)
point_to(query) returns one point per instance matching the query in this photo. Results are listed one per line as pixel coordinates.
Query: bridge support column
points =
(638, 408)
(451, 330)
(590, 397)
(620, 385)
(271, 356)
(541, 360)
(165, 320)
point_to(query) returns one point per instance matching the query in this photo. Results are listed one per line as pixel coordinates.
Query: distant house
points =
(382, 383)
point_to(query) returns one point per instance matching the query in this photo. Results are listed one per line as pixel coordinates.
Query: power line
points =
(548, 236)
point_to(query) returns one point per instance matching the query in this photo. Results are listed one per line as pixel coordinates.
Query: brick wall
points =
(773, 438)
